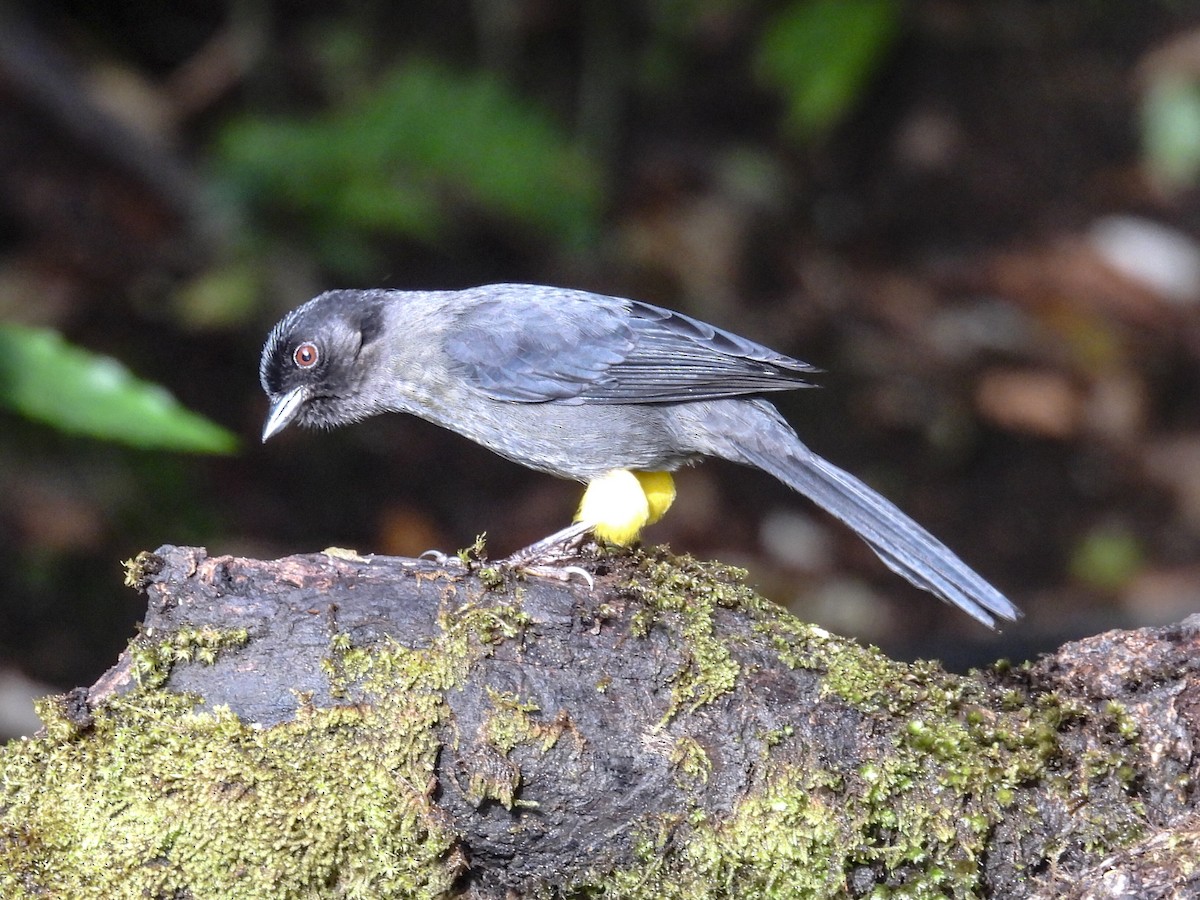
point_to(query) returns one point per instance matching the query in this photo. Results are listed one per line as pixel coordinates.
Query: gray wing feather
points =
(531, 344)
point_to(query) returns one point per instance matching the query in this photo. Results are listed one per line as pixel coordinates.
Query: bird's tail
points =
(755, 434)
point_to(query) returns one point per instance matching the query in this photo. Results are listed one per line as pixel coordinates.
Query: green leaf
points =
(71, 389)
(1171, 131)
(1108, 558)
(821, 54)
(406, 157)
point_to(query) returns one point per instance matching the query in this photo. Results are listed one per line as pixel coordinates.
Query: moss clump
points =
(510, 724)
(158, 799)
(238, 812)
(490, 776)
(141, 569)
(806, 829)
(915, 818)
(914, 823)
(153, 656)
(692, 592)
(778, 843)
(691, 762)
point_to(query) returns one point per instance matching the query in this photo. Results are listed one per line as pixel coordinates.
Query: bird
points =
(611, 392)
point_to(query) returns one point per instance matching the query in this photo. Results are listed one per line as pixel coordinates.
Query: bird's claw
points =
(559, 573)
(519, 563)
(443, 559)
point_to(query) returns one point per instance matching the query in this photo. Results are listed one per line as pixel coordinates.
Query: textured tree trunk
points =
(326, 725)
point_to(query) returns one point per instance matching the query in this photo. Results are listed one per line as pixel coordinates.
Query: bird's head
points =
(312, 366)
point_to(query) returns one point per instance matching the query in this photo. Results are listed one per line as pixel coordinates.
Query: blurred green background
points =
(981, 217)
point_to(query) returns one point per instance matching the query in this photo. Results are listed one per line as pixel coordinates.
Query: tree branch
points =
(324, 725)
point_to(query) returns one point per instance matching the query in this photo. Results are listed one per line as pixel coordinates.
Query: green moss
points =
(491, 577)
(142, 568)
(776, 844)
(690, 760)
(491, 776)
(921, 812)
(153, 656)
(805, 829)
(238, 812)
(781, 838)
(336, 802)
(1124, 723)
(510, 723)
(471, 556)
(691, 592)
(776, 736)
(57, 720)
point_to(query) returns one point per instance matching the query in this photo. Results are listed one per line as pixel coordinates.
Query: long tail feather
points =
(755, 434)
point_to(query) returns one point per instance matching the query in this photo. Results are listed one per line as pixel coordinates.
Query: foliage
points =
(47, 379)
(405, 156)
(821, 54)
(1108, 558)
(1171, 130)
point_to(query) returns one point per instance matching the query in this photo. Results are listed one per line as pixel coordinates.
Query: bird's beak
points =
(284, 409)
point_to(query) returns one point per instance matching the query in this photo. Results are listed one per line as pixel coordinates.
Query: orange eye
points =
(306, 355)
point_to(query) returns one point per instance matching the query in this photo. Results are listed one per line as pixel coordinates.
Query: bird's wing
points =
(532, 344)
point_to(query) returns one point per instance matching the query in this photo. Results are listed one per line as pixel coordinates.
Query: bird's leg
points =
(615, 508)
(556, 547)
(538, 558)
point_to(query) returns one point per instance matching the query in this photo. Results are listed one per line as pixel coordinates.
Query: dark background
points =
(977, 234)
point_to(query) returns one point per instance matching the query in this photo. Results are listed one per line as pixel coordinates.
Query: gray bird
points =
(611, 392)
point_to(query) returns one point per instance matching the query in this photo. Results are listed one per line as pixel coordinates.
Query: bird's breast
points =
(577, 441)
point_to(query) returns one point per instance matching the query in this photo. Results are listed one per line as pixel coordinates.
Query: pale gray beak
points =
(284, 409)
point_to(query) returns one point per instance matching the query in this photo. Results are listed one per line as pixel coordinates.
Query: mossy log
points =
(327, 725)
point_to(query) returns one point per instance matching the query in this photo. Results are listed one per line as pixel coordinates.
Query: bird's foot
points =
(468, 558)
(558, 573)
(541, 558)
(555, 548)
(445, 560)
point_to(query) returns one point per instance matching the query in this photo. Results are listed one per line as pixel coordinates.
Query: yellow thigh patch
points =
(619, 504)
(659, 488)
